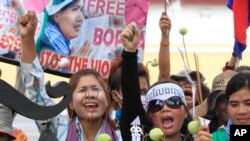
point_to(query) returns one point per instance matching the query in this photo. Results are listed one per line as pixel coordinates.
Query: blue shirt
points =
(53, 39)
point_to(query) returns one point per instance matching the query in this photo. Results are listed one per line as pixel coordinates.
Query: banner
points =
(86, 32)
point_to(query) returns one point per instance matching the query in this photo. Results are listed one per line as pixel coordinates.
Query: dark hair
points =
(0, 72)
(237, 82)
(143, 72)
(114, 79)
(242, 68)
(211, 114)
(165, 81)
(74, 81)
(205, 91)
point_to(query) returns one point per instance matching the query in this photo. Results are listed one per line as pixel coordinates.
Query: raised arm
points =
(131, 103)
(27, 27)
(230, 65)
(164, 55)
(31, 70)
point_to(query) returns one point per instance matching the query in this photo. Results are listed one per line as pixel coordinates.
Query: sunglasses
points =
(157, 105)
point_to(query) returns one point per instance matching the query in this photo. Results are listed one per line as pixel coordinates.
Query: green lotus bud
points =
(156, 134)
(103, 137)
(183, 31)
(154, 62)
(193, 127)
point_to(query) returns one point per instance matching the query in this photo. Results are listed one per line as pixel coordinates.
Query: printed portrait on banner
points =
(86, 32)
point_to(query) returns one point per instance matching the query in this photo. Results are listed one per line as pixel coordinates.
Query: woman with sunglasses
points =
(89, 108)
(166, 107)
(114, 80)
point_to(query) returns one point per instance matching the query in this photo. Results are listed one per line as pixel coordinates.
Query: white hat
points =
(164, 91)
(56, 5)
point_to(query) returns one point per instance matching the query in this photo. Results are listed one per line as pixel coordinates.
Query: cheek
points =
(102, 97)
(77, 98)
(180, 113)
(155, 118)
(231, 112)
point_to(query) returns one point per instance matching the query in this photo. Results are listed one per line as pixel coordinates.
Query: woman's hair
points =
(237, 82)
(143, 72)
(114, 79)
(205, 91)
(211, 115)
(86, 72)
(242, 69)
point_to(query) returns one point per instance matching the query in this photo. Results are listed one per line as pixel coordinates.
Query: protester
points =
(114, 84)
(232, 65)
(187, 87)
(242, 69)
(238, 97)
(6, 120)
(89, 109)
(114, 81)
(168, 117)
(216, 101)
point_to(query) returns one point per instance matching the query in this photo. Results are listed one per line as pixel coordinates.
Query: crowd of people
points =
(126, 106)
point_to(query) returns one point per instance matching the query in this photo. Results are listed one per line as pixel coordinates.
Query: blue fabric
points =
(54, 40)
(57, 1)
(229, 123)
(241, 15)
(117, 115)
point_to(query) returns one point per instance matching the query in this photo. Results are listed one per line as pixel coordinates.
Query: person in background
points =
(242, 69)
(6, 120)
(114, 83)
(232, 65)
(89, 110)
(187, 87)
(216, 101)
(238, 97)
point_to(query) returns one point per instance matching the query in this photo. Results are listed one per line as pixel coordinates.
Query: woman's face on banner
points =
(70, 20)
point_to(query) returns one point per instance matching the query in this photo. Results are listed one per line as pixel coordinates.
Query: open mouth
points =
(77, 27)
(90, 105)
(188, 94)
(167, 122)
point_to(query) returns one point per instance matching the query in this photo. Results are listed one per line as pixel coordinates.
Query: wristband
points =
(234, 54)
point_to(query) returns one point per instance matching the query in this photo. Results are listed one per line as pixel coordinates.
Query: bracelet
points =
(234, 54)
(162, 44)
(226, 67)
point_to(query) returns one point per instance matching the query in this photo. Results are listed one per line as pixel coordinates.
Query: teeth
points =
(188, 94)
(90, 105)
(167, 121)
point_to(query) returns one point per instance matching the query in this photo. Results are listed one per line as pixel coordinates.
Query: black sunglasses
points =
(156, 105)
